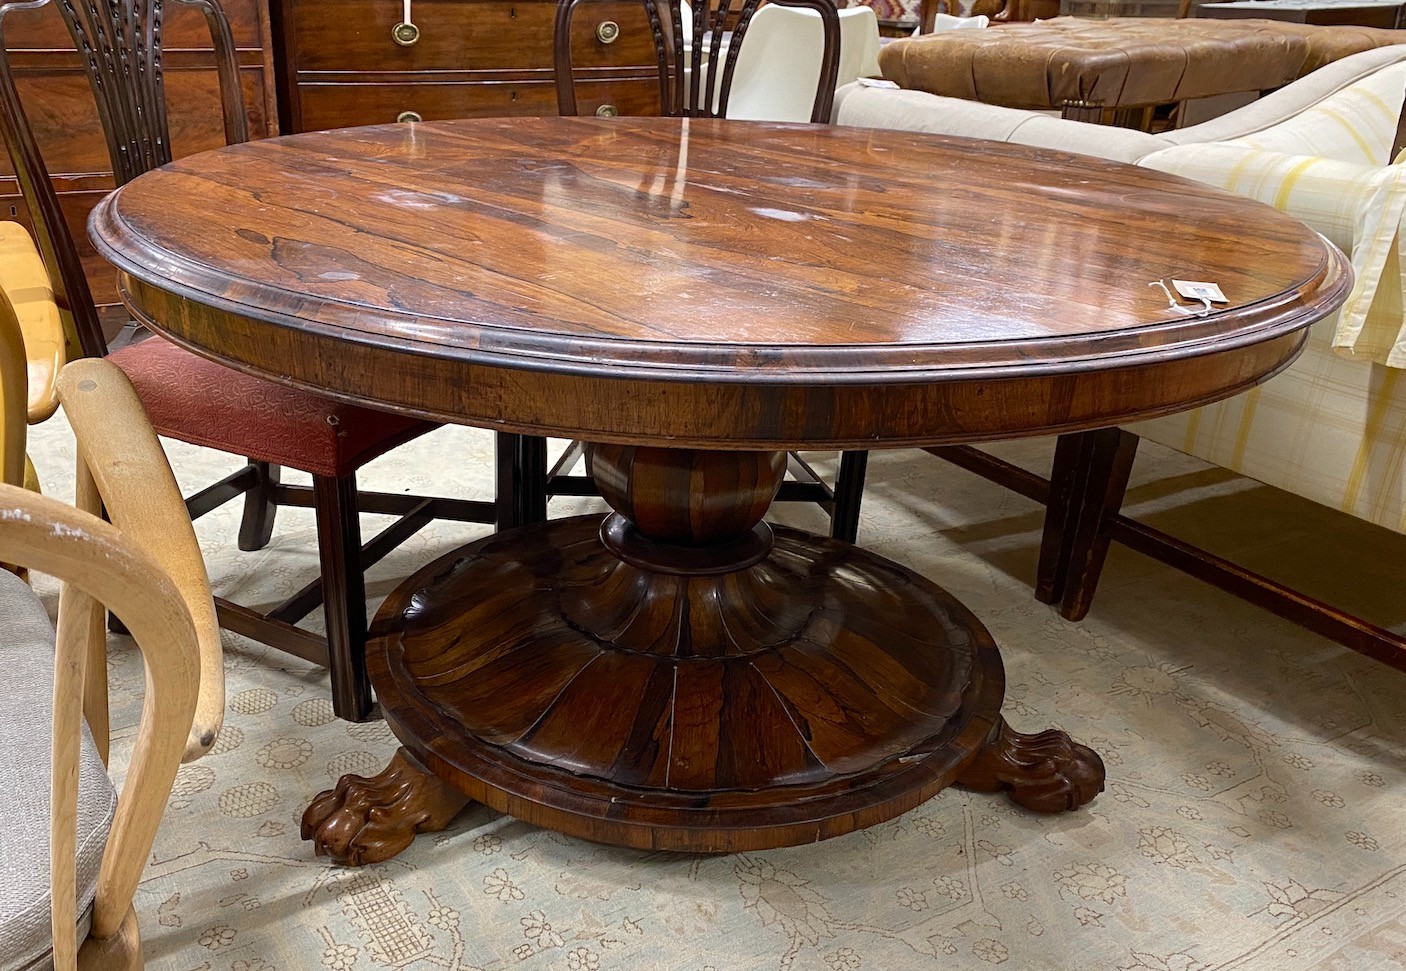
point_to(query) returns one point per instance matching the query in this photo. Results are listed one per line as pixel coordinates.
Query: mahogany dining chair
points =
(194, 400)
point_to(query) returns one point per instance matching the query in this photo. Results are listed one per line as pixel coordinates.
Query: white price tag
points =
(1193, 290)
(877, 83)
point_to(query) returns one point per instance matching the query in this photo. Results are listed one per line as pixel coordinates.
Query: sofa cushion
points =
(1362, 208)
(194, 400)
(871, 107)
(26, 721)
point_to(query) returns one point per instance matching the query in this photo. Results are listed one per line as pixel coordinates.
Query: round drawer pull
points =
(409, 116)
(607, 111)
(405, 34)
(607, 31)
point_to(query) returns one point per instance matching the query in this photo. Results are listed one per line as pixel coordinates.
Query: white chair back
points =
(779, 65)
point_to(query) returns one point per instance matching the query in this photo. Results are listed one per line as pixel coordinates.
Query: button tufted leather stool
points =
(1083, 67)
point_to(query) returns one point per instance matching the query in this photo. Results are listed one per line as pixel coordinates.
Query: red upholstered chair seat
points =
(204, 403)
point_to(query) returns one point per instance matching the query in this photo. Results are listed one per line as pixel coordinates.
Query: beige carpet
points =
(1253, 816)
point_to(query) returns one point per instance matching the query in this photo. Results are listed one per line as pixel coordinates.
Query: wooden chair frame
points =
(713, 23)
(135, 122)
(1083, 501)
(121, 459)
(146, 566)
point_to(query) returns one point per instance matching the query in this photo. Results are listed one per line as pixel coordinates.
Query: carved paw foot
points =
(371, 820)
(1047, 773)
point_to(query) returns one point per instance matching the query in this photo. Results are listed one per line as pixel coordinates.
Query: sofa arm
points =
(1361, 208)
(1347, 111)
(862, 106)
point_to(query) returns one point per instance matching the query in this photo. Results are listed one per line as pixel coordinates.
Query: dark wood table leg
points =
(684, 676)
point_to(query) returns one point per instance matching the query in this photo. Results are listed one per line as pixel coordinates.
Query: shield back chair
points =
(198, 401)
(74, 847)
(778, 69)
(698, 46)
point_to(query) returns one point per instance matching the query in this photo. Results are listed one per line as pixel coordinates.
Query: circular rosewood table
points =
(694, 298)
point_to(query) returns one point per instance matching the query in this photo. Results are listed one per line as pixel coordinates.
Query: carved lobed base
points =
(820, 690)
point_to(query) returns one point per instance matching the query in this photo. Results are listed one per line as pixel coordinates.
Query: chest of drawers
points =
(341, 63)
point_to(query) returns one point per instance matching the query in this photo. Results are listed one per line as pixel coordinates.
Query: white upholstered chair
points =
(145, 565)
(778, 66)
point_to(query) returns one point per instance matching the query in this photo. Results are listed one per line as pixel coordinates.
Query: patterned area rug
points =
(1252, 817)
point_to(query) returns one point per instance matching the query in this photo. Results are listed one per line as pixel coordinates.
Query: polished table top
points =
(599, 260)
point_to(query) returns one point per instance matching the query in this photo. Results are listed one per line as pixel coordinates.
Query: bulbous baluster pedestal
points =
(683, 676)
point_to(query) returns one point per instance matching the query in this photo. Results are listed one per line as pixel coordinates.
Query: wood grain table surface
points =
(765, 273)
(692, 298)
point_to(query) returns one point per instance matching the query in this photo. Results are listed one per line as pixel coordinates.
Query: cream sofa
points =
(1332, 427)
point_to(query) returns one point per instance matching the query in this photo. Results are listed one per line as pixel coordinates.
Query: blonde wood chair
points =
(138, 487)
(145, 565)
(31, 348)
(98, 839)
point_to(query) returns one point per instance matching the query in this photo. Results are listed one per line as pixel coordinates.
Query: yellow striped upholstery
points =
(1354, 124)
(1328, 429)
(1362, 208)
(1331, 428)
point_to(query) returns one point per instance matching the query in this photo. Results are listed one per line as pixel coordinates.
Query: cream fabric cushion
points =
(1332, 427)
(26, 718)
(862, 106)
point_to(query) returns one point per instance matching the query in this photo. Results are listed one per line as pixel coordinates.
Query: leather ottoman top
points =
(1328, 43)
(1119, 62)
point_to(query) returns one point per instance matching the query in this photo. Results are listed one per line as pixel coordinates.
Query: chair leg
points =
(1107, 464)
(521, 480)
(256, 527)
(344, 594)
(1067, 479)
(849, 493)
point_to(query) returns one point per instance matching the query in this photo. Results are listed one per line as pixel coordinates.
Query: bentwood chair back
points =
(198, 401)
(31, 350)
(74, 847)
(697, 67)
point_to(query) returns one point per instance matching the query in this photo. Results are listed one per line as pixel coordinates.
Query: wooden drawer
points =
(182, 28)
(344, 105)
(458, 35)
